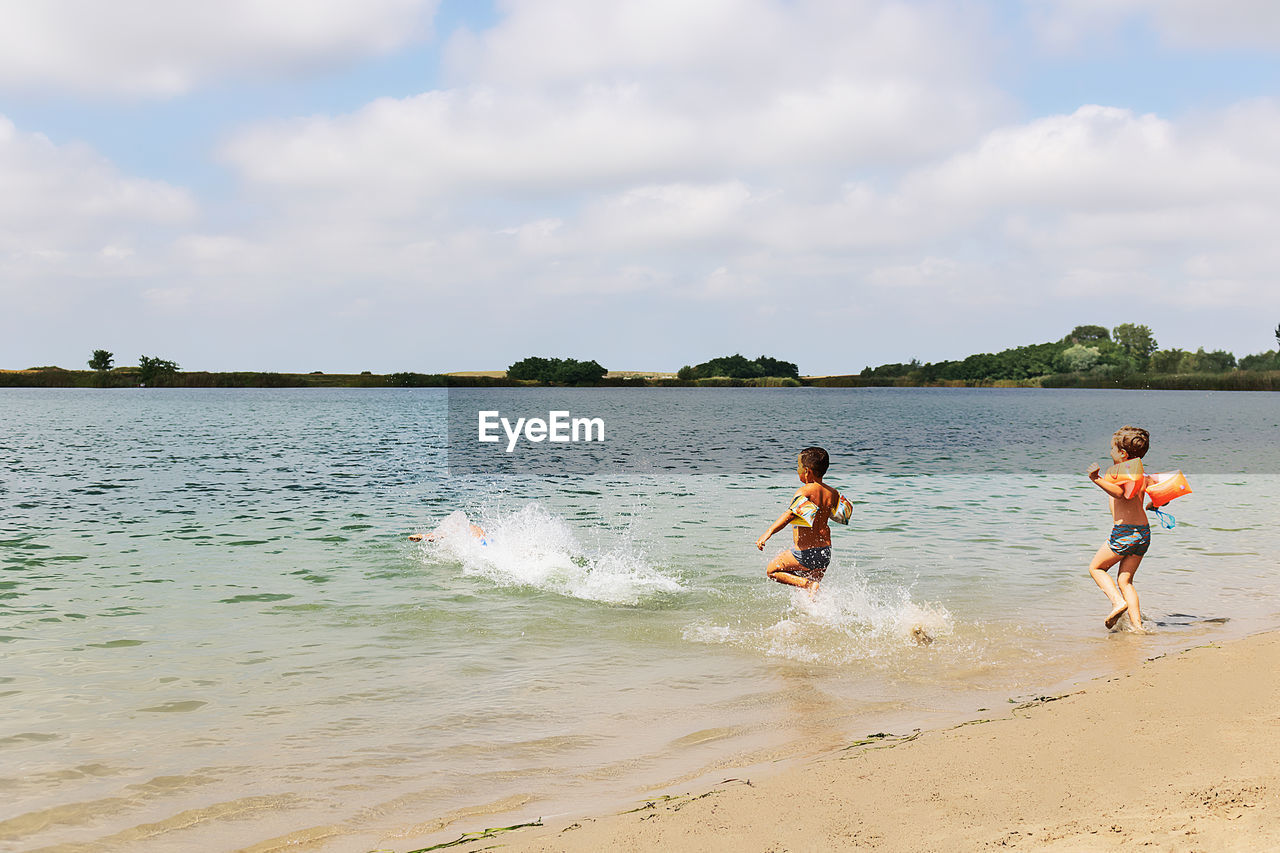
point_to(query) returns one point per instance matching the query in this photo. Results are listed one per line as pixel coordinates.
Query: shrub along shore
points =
(127, 377)
(1236, 380)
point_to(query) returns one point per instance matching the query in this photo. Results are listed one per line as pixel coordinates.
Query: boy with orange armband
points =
(1131, 533)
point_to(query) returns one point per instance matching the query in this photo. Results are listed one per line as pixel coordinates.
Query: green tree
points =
(155, 371)
(409, 379)
(1269, 360)
(568, 371)
(1137, 342)
(1168, 360)
(738, 366)
(574, 372)
(1218, 361)
(890, 371)
(532, 368)
(101, 360)
(1079, 358)
(775, 367)
(1088, 334)
(1278, 333)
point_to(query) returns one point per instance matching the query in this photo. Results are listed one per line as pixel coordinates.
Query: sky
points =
(450, 185)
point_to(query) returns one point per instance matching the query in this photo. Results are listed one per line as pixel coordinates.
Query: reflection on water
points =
(215, 632)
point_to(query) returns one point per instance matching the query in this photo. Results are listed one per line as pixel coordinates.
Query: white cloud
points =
(926, 273)
(477, 141)
(1111, 161)
(1061, 201)
(502, 142)
(1104, 201)
(664, 218)
(164, 48)
(1181, 23)
(738, 46)
(1127, 177)
(570, 95)
(66, 210)
(614, 148)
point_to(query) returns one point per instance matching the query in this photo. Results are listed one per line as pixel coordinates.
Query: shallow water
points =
(216, 634)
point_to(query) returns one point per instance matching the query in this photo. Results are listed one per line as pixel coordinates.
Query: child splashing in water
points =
(814, 505)
(476, 531)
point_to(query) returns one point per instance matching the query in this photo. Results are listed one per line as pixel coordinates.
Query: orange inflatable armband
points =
(1162, 488)
(1128, 475)
(843, 511)
(804, 510)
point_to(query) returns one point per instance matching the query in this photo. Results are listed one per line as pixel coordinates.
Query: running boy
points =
(1131, 535)
(813, 506)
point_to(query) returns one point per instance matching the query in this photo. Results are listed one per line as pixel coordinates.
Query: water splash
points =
(848, 621)
(533, 547)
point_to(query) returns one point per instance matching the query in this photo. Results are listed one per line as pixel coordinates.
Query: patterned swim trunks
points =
(814, 559)
(1130, 539)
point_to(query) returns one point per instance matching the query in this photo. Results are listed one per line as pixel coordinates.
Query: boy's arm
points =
(1113, 489)
(783, 521)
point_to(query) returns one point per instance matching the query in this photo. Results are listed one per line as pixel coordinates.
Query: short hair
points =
(815, 459)
(1132, 440)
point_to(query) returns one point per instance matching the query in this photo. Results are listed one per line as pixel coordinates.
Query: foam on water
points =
(535, 548)
(848, 621)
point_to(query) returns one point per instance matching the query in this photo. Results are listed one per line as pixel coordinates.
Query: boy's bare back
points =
(819, 535)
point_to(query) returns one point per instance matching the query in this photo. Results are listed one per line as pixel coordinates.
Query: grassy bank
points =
(128, 377)
(1234, 380)
(728, 382)
(858, 381)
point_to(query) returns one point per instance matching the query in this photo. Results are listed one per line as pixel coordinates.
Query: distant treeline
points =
(726, 371)
(1090, 356)
(131, 377)
(1127, 356)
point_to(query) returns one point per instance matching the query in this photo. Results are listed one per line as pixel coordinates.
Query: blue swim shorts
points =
(813, 558)
(1130, 539)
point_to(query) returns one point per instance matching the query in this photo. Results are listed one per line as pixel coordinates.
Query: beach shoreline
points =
(1176, 753)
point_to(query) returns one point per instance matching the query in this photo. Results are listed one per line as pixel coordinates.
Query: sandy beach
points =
(1178, 753)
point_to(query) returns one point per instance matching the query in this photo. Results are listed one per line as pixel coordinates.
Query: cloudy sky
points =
(432, 185)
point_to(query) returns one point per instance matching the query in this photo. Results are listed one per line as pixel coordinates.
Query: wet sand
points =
(1179, 753)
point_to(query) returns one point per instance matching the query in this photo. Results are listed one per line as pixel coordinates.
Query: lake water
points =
(216, 635)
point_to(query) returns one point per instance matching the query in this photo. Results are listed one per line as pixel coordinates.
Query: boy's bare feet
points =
(812, 586)
(1114, 615)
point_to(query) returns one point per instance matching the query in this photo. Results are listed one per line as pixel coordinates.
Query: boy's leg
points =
(784, 568)
(1102, 561)
(1128, 567)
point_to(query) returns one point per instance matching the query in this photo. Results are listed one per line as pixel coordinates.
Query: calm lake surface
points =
(216, 635)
